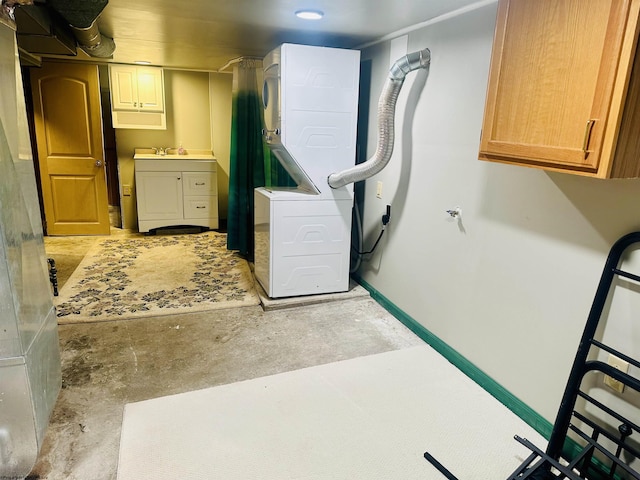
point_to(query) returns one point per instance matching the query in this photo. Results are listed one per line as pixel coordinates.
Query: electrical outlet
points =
(379, 190)
(620, 365)
(126, 190)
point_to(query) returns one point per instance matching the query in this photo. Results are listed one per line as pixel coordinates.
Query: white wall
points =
(508, 287)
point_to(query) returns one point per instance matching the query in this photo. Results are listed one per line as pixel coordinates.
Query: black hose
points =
(374, 245)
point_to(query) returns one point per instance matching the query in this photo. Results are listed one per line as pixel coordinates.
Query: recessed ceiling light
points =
(310, 14)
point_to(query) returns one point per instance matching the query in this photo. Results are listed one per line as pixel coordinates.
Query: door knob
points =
(98, 163)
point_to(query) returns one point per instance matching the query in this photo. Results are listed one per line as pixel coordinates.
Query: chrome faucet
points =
(160, 151)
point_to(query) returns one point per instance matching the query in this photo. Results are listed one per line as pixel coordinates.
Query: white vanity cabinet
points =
(176, 190)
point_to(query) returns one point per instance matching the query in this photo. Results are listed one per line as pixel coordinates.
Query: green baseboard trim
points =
(517, 406)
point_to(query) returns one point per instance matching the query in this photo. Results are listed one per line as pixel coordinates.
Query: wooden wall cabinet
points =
(563, 87)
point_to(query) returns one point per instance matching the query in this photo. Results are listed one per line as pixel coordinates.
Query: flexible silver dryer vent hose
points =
(386, 113)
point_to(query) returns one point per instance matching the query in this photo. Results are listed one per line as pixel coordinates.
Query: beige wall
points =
(194, 119)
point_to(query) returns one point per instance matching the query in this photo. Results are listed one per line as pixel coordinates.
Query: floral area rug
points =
(133, 277)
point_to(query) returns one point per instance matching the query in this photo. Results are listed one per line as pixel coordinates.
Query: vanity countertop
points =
(172, 154)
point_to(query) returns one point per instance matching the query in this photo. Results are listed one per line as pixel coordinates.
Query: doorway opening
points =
(111, 160)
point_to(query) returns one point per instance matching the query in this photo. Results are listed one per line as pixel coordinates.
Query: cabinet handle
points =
(587, 136)
(200, 207)
(199, 184)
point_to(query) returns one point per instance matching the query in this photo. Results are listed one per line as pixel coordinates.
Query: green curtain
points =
(251, 163)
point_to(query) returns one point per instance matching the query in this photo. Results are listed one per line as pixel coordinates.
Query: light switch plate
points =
(620, 365)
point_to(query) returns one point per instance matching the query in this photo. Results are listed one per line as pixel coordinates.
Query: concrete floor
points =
(106, 365)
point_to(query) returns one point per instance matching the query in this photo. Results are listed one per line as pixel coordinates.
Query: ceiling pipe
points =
(93, 42)
(82, 16)
(234, 61)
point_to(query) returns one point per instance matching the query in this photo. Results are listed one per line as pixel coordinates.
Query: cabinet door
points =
(159, 195)
(150, 89)
(552, 78)
(124, 87)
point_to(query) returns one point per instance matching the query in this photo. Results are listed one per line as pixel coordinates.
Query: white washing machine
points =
(303, 235)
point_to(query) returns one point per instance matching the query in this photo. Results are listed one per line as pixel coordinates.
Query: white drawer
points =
(199, 183)
(201, 207)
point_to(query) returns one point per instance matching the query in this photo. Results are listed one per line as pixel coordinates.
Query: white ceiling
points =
(206, 34)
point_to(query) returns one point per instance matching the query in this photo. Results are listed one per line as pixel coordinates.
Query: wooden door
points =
(553, 74)
(68, 124)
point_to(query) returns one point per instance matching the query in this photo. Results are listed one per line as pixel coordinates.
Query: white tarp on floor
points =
(366, 418)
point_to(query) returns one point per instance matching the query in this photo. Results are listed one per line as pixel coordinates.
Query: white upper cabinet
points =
(137, 88)
(137, 97)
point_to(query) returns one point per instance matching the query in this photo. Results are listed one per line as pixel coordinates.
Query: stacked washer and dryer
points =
(303, 234)
(310, 97)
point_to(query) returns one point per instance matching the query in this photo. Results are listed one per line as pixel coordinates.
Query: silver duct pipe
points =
(82, 17)
(93, 42)
(386, 113)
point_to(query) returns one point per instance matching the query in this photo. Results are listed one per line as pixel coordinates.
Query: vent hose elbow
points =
(386, 114)
(94, 43)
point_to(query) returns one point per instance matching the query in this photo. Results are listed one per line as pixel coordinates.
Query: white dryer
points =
(303, 235)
